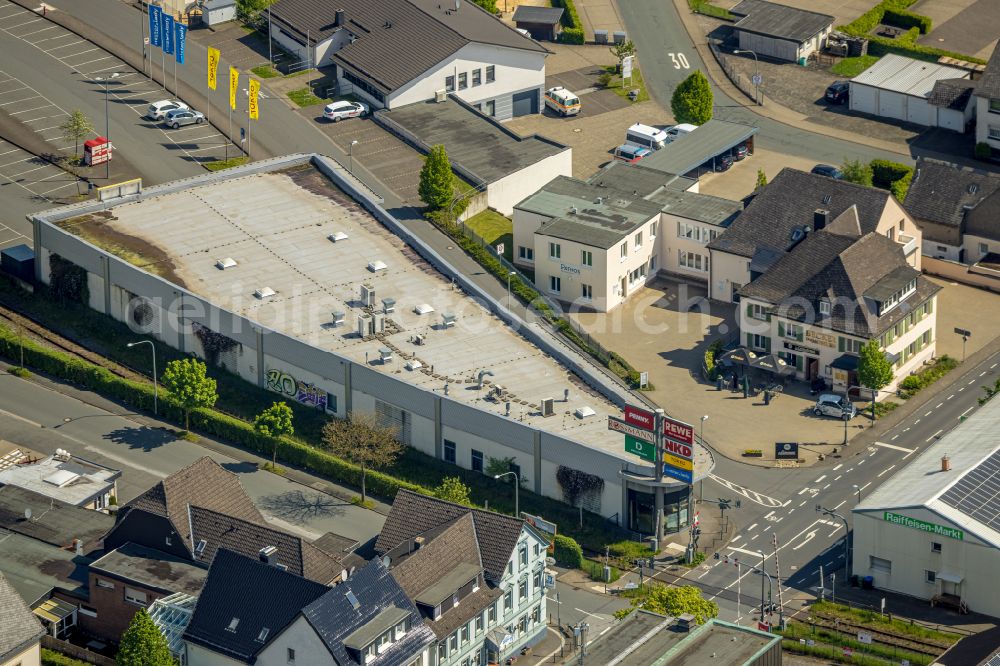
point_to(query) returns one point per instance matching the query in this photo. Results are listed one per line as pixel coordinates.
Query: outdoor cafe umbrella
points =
(774, 364)
(738, 356)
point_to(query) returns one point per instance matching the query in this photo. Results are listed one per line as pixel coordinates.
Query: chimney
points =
(945, 463)
(338, 18)
(686, 622)
(268, 555)
(820, 218)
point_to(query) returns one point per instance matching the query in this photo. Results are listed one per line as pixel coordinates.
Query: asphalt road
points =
(44, 420)
(664, 48)
(780, 504)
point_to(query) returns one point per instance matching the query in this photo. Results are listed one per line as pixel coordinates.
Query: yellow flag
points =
(254, 91)
(234, 83)
(213, 66)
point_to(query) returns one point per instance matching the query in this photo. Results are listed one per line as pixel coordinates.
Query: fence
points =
(745, 85)
(75, 651)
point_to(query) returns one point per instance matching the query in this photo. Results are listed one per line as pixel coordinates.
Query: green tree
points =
(674, 601)
(622, 51)
(249, 10)
(363, 440)
(189, 385)
(275, 422)
(874, 369)
(856, 171)
(436, 184)
(451, 489)
(990, 391)
(143, 645)
(692, 100)
(488, 5)
(761, 179)
(76, 127)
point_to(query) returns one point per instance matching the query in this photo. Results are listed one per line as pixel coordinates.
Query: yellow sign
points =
(254, 91)
(234, 83)
(681, 463)
(818, 338)
(213, 66)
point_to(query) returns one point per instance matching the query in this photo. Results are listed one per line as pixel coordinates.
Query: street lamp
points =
(847, 532)
(756, 73)
(858, 490)
(350, 155)
(156, 392)
(701, 436)
(509, 276)
(846, 416)
(517, 488)
(107, 120)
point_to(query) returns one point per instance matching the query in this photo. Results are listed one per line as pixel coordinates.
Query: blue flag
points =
(155, 20)
(180, 37)
(168, 34)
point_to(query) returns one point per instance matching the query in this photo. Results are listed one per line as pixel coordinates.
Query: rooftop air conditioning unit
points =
(376, 266)
(440, 95)
(337, 237)
(548, 407)
(378, 322)
(264, 292)
(584, 412)
(367, 295)
(364, 326)
(223, 264)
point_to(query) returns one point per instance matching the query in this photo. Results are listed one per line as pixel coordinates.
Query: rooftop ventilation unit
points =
(414, 364)
(367, 295)
(376, 266)
(63, 455)
(337, 237)
(378, 322)
(264, 292)
(548, 407)
(338, 318)
(223, 264)
(440, 96)
(584, 412)
(973, 188)
(268, 554)
(388, 305)
(364, 326)
(235, 622)
(447, 320)
(385, 355)
(423, 308)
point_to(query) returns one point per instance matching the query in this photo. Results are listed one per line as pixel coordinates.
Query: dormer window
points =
(824, 308)
(897, 297)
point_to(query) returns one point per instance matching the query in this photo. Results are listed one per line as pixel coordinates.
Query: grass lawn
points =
(219, 165)
(265, 71)
(494, 228)
(305, 97)
(851, 67)
(635, 83)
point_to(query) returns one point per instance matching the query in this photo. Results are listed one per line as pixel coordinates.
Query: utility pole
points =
(739, 580)
(833, 587)
(777, 579)
(822, 583)
(658, 505)
(763, 559)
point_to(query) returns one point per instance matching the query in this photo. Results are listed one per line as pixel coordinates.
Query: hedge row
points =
(861, 26)
(572, 32)
(708, 9)
(886, 172)
(53, 658)
(567, 552)
(904, 19)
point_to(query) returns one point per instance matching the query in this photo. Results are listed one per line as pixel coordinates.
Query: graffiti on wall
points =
(285, 384)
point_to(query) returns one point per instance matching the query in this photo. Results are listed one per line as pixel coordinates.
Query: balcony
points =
(908, 242)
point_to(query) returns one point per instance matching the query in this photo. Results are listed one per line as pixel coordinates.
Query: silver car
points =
(179, 117)
(157, 110)
(830, 404)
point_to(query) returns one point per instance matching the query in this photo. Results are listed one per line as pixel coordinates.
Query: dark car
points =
(723, 162)
(838, 92)
(740, 152)
(828, 171)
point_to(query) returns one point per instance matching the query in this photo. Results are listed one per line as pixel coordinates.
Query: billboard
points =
(640, 418)
(786, 450)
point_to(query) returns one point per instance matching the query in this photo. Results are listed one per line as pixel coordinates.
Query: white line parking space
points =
(35, 178)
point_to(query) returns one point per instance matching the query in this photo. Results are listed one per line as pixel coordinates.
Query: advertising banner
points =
(618, 425)
(155, 21)
(640, 417)
(253, 105)
(234, 83)
(180, 36)
(213, 67)
(168, 34)
(786, 450)
(637, 447)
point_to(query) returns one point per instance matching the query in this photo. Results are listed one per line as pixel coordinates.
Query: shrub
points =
(625, 553)
(596, 571)
(904, 19)
(53, 658)
(983, 151)
(567, 551)
(572, 36)
(886, 172)
(901, 187)
(752, 453)
(708, 9)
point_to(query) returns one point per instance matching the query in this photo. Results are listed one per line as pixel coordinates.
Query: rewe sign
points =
(678, 431)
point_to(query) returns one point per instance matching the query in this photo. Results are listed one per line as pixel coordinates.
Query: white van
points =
(562, 101)
(680, 130)
(645, 136)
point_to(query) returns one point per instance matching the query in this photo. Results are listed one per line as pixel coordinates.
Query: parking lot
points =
(129, 88)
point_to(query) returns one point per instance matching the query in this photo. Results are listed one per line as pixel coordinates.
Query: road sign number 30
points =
(680, 61)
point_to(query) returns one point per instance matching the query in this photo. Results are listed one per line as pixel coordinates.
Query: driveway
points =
(962, 306)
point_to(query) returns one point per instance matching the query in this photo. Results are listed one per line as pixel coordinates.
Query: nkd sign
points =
(923, 526)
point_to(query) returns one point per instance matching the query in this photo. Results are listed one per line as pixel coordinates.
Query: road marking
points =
(840, 505)
(893, 446)
(803, 502)
(982, 373)
(586, 613)
(894, 437)
(971, 382)
(820, 478)
(751, 527)
(756, 497)
(916, 422)
(865, 486)
(915, 449)
(993, 366)
(886, 471)
(928, 413)
(940, 404)
(826, 486)
(607, 629)
(950, 396)
(769, 514)
(838, 467)
(790, 511)
(702, 575)
(745, 552)
(754, 537)
(737, 537)
(934, 435)
(966, 411)
(961, 388)
(837, 478)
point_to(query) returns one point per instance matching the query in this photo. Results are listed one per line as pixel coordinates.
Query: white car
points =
(157, 110)
(337, 111)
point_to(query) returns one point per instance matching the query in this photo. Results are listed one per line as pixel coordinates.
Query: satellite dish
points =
(27, 513)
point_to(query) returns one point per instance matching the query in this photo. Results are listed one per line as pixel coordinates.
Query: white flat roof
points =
(906, 75)
(74, 481)
(276, 226)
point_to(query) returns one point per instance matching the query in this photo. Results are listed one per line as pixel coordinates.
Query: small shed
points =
(215, 12)
(901, 89)
(19, 261)
(540, 22)
(779, 31)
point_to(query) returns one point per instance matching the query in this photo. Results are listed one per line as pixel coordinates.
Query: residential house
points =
(252, 612)
(66, 478)
(831, 293)
(790, 206)
(779, 31)
(397, 52)
(594, 243)
(987, 94)
(20, 632)
(484, 603)
(958, 211)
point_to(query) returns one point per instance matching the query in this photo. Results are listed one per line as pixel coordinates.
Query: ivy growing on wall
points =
(577, 485)
(68, 281)
(213, 343)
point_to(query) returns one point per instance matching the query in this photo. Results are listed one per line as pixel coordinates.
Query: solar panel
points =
(977, 494)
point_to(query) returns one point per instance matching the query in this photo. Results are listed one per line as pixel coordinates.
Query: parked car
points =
(830, 404)
(838, 92)
(828, 171)
(179, 117)
(337, 111)
(631, 154)
(157, 110)
(740, 152)
(723, 162)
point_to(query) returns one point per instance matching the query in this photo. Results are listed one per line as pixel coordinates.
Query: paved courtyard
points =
(741, 179)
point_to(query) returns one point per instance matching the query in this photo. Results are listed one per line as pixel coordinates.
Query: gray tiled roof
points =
(153, 569)
(951, 93)
(221, 531)
(989, 83)
(334, 617)
(782, 21)
(946, 194)
(258, 595)
(414, 514)
(544, 15)
(18, 626)
(789, 201)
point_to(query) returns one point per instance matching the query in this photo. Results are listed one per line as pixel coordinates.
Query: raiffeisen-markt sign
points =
(923, 526)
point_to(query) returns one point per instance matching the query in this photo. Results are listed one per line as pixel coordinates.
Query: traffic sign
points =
(618, 425)
(640, 418)
(756, 79)
(638, 447)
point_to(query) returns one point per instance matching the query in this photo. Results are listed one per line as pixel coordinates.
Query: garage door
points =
(891, 105)
(525, 103)
(919, 111)
(863, 99)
